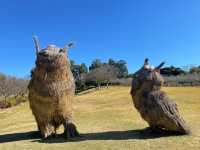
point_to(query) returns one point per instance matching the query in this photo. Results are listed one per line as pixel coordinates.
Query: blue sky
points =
(120, 29)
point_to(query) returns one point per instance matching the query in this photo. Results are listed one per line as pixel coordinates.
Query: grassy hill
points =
(107, 120)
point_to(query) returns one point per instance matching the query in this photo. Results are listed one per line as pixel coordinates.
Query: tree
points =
(111, 62)
(75, 69)
(102, 75)
(83, 68)
(72, 63)
(195, 70)
(123, 71)
(12, 86)
(95, 64)
(172, 71)
(79, 72)
(19, 86)
(5, 88)
(2, 76)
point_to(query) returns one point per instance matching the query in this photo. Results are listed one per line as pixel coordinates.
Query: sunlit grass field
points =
(106, 120)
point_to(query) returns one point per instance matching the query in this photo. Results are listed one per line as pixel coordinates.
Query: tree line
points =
(98, 73)
(12, 86)
(12, 90)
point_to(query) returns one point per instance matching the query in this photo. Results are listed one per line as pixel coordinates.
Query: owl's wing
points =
(167, 111)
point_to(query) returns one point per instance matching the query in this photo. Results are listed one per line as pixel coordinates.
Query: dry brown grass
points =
(107, 120)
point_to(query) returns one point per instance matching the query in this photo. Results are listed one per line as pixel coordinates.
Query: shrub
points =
(183, 80)
(11, 101)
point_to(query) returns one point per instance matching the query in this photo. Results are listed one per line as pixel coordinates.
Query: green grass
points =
(107, 120)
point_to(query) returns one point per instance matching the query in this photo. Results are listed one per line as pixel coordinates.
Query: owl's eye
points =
(62, 50)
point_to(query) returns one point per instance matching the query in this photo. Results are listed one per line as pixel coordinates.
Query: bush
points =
(122, 81)
(4, 104)
(12, 102)
(183, 80)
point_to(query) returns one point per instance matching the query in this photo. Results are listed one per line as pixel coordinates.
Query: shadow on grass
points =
(19, 136)
(109, 135)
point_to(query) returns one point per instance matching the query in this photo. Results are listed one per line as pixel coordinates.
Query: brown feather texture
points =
(51, 92)
(154, 105)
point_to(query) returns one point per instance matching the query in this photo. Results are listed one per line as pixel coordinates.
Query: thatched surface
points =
(51, 90)
(155, 106)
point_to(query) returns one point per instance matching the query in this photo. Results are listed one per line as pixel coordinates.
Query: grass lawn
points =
(107, 120)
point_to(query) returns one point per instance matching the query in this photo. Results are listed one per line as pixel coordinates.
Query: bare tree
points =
(19, 87)
(103, 74)
(5, 88)
(12, 86)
